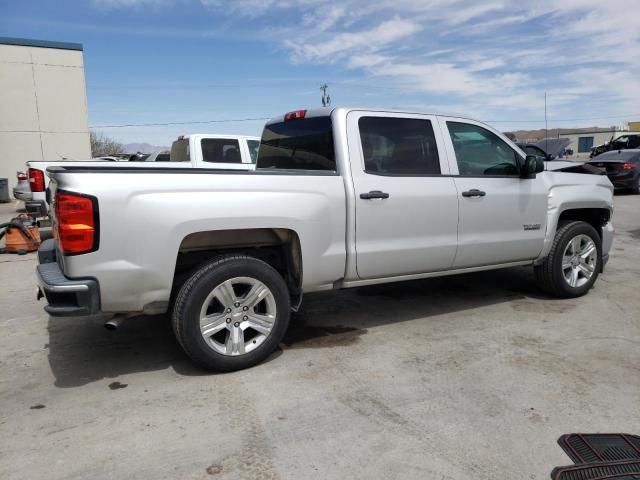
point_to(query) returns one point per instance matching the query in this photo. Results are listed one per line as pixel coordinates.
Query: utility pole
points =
(546, 132)
(326, 99)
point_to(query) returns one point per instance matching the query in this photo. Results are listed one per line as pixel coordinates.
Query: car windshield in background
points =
(180, 150)
(300, 144)
(254, 146)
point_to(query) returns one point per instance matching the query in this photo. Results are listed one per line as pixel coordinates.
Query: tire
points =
(231, 343)
(556, 280)
(636, 186)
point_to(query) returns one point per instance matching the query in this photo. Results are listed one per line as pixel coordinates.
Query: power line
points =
(194, 122)
(265, 118)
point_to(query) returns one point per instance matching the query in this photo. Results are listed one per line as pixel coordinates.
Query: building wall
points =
(43, 106)
(597, 138)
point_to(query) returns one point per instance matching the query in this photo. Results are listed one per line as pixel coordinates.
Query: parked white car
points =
(229, 152)
(341, 198)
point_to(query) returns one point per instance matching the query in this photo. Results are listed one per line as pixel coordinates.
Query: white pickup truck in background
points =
(204, 150)
(341, 198)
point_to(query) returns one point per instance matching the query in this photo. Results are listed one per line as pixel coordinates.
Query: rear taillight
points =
(627, 166)
(36, 180)
(76, 223)
(295, 115)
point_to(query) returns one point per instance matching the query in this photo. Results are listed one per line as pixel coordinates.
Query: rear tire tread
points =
(178, 317)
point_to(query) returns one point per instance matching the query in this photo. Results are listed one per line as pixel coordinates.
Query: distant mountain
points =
(535, 135)
(142, 147)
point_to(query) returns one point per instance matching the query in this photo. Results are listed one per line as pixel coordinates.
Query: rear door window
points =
(398, 146)
(299, 144)
(220, 150)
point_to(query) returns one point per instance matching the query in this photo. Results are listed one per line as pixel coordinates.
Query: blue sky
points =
(161, 61)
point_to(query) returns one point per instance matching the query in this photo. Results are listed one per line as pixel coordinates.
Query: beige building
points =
(583, 140)
(43, 103)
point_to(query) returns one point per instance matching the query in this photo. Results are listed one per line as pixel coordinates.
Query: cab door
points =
(502, 216)
(406, 206)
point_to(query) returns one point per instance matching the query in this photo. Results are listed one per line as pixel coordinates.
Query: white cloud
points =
(116, 4)
(330, 49)
(496, 57)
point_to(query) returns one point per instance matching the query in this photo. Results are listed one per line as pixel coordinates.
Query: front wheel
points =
(231, 313)
(574, 262)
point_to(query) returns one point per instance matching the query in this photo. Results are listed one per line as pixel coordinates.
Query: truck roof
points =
(327, 111)
(218, 135)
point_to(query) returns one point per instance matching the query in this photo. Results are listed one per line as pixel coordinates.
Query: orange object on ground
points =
(21, 235)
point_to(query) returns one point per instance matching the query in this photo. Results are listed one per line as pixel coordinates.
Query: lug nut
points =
(228, 310)
(237, 304)
(236, 324)
(228, 320)
(245, 309)
(245, 318)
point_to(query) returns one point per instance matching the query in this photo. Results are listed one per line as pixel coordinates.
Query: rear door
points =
(502, 216)
(406, 204)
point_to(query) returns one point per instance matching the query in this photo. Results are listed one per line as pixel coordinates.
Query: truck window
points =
(300, 144)
(220, 150)
(400, 146)
(180, 150)
(481, 152)
(253, 145)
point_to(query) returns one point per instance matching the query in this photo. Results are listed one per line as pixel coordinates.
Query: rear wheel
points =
(231, 313)
(574, 262)
(636, 186)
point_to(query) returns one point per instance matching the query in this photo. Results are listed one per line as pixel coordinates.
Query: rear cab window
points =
(298, 144)
(180, 150)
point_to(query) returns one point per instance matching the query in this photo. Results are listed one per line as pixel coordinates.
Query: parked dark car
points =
(531, 149)
(622, 168)
(549, 149)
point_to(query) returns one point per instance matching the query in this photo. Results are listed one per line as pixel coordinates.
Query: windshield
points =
(300, 144)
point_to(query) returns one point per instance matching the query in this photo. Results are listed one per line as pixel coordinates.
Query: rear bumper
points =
(22, 194)
(65, 297)
(36, 208)
(623, 181)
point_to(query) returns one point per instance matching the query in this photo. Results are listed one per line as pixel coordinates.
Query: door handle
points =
(474, 192)
(374, 194)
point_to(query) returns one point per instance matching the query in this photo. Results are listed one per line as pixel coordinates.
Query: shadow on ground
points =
(82, 351)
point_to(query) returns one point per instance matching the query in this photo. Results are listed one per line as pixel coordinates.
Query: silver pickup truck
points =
(340, 198)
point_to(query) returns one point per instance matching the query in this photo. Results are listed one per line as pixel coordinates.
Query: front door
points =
(406, 208)
(502, 216)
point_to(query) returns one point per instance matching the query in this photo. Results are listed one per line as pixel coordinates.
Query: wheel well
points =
(596, 217)
(278, 247)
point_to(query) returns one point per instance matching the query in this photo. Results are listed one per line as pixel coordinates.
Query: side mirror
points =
(532, 165)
